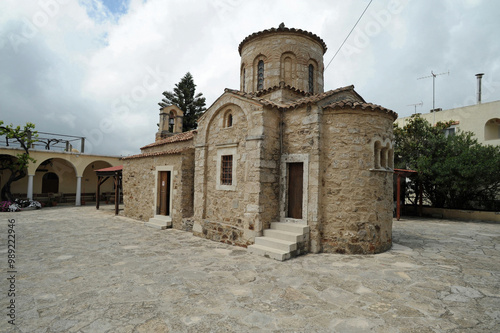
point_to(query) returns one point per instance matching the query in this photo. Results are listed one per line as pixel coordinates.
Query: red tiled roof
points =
(300, 102)
(184, 136)
(288, 87)
(115, 168)
(282, 28)
(160, 153)
(344, 104)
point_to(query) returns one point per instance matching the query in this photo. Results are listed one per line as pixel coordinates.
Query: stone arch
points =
(89, 178)
(236, 111)
(288, 68)
(492, 129)
(39, 163)
(65, 171)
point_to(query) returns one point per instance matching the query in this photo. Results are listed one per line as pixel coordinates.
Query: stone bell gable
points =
(170, 122)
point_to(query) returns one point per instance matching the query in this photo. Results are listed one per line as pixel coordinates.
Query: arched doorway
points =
(50, 183)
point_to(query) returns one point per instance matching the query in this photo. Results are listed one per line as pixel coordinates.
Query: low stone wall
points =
(459, 214)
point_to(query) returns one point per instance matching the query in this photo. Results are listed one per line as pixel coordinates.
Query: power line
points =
(363, 13)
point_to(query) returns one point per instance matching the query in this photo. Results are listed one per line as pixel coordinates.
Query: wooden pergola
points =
(105, 174)
(402, 173)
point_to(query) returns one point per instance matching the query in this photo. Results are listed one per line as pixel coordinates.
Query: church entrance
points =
(164, 179)
(295, 190)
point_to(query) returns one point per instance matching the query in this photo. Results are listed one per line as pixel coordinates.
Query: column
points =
(78, 201)
(30, 187)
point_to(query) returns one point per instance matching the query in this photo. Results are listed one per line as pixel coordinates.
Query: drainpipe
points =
(479, 76)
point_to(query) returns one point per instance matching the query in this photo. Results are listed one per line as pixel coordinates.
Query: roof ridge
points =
(345, 103)
(158, 153)
(183, 136)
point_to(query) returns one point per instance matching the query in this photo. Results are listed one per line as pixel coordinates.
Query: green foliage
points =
(455, 171)
(25, 136)
(185, 97)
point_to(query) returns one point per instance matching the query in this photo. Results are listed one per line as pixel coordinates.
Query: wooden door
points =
(50, 183)
(295, 189)
(164, 190)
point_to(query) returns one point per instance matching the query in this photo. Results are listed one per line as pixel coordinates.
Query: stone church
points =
(280, 165)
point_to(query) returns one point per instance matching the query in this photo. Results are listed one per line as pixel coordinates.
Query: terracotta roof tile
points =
(300, 102)
(160, 153)
(346, 104)
(184, 136)
(282, 28)
(115, 168)
(288, 87)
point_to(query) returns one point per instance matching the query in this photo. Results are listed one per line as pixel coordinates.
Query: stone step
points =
(159, 222)
(284, 235)
(275, 243)
(268, 252)
(290, 227)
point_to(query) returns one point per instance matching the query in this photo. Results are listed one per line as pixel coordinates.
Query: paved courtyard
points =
(82, 270)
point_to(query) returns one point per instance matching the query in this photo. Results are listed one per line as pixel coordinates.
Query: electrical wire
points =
(363, 13)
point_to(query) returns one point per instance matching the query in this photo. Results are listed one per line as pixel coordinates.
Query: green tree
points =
(18, 167)
(454, 171)
(185, 97)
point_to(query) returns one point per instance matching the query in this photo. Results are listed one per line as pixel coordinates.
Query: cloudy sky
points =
(97, 68)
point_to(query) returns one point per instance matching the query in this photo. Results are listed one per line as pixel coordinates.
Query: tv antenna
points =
(433, 90)
(415, 105)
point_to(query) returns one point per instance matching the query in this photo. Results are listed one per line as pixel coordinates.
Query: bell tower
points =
(170, 122)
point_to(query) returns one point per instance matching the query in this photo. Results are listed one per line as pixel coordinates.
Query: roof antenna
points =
(433, 90)
(415, 105)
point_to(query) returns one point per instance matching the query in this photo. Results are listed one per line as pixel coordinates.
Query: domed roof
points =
(282, 28)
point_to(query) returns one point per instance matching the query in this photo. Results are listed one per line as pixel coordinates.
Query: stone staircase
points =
(160, 222)
(283, 241)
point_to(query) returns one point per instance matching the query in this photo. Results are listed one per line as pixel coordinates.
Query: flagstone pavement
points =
(82, 270)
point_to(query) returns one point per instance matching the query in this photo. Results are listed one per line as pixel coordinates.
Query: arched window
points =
(492, 129)
(383, 156)
(50, 183)
(311, 78)
(376, 155)
(260, 75)
(242, 77)
(228, 119)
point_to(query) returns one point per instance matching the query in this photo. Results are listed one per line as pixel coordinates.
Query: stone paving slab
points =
(82, 270)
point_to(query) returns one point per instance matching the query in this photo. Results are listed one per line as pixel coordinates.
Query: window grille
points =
(226, 176)
(311, 79)
(260, 75)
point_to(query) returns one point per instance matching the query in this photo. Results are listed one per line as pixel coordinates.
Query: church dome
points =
(282, 57)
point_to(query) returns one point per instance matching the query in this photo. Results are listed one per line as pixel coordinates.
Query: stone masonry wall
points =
(229, 212)
(269, 168)
(302, 136)
(139, 177)
(356, 200)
